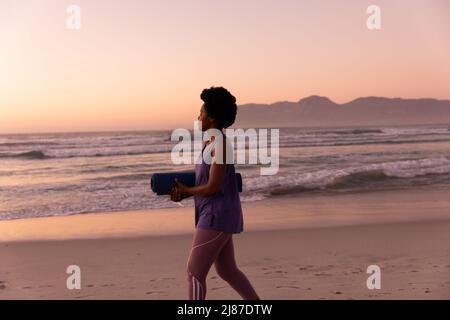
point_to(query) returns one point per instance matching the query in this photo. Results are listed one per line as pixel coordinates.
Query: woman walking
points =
(218, 212)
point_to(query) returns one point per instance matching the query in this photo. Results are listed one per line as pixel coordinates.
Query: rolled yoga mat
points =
(162, 183)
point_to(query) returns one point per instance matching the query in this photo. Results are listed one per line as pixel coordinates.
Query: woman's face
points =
(207, 122)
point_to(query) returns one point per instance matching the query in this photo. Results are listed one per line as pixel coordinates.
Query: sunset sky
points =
(141, 65)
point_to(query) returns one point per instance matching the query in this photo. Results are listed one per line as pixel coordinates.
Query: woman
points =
(218, 212)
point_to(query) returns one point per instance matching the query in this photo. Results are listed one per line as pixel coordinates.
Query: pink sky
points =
(141, 65)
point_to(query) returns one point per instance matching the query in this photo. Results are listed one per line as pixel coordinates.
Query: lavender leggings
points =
(208, 247)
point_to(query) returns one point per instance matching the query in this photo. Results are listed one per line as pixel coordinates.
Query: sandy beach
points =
(137, 255)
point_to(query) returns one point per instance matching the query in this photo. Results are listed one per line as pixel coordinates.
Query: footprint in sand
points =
(279, 272)
(155, 292)
(292, 287)
(217, 288)
(304, 267)
(322, 274)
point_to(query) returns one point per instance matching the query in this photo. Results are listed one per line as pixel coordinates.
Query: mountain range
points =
(319, 111)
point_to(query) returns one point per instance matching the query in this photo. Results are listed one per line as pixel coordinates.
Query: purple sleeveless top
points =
(221, 211)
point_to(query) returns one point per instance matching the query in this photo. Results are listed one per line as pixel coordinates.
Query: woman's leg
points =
(226, 268)
(206, 246)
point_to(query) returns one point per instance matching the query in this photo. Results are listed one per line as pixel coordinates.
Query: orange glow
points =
(141, 65)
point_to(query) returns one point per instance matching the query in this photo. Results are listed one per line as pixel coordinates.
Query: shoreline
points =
(276, 213)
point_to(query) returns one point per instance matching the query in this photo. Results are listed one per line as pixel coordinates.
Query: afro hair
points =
(220, 105)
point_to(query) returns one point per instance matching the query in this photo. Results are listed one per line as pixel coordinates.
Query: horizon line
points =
(245, 104)
(171, 129)
(362, 97)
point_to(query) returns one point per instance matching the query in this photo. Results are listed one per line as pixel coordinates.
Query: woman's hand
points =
(179, 191)
(182, 188)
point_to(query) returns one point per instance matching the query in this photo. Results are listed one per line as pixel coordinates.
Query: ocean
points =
(58, 174)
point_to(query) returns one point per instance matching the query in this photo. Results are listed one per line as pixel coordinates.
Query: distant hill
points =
(317, 111)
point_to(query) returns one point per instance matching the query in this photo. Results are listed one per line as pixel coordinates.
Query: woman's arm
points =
(216, 177)
(215, 181)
